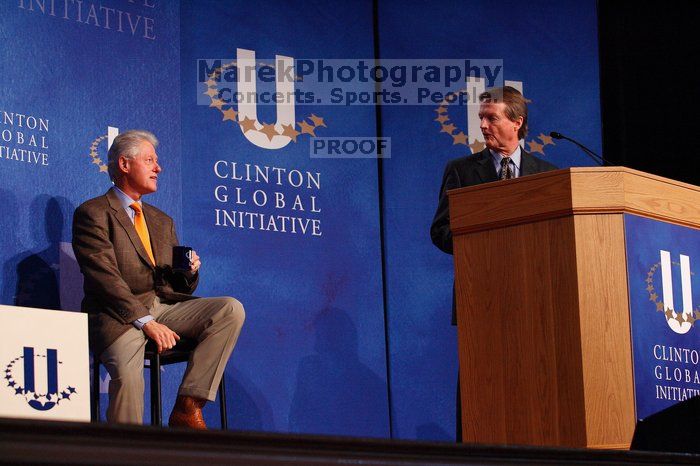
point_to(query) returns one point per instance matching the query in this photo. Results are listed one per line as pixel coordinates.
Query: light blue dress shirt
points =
(515, 159)
(126, 202)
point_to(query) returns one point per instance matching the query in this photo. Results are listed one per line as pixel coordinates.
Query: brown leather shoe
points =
(187, 412)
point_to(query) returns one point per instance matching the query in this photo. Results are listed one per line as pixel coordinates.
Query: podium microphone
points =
(595, 157)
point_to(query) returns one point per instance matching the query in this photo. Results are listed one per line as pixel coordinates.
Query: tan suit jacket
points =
(120, 281)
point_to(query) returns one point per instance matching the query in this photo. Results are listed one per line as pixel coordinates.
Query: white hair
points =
(127, 145)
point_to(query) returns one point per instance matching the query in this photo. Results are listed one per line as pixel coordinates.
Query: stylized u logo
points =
(680, 322)
(247, 107)
(51, 378)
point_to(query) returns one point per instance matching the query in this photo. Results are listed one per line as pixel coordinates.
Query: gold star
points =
(535, 147)
(211, 92)
(230, 114)
(216, 103)
(96, 161)
(653, 296)
(459, 138)
(103, 168)
(690, 319)
(477, 146)
(247, 124)
(679, 318)
(650, 288)
(441, 110)
(442, 118)
(448, 129)
(211, 82)
(697, 315)
(318, 121)
(668, 314)
(546, 139)
(649, 280)
(269, 131)
(660, 307)
(306, 128)
(288, 130)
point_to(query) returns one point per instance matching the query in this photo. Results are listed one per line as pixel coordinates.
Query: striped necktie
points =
(142, 230)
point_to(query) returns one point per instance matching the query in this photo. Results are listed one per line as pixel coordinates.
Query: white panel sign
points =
(44, 362)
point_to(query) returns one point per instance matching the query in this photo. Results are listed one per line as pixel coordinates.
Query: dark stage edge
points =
(42, 442)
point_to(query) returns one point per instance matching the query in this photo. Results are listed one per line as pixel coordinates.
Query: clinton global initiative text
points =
(98, 15)
(285, 193)
(265, 222)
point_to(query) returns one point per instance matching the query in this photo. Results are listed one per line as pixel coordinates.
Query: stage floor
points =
(35, 442)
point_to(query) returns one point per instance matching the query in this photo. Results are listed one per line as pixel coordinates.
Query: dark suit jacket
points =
(120, 281)
(468, 171)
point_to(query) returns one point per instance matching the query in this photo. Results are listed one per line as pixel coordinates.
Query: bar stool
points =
(179, 353)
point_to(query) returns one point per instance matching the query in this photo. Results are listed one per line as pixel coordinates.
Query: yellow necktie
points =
(142, 230)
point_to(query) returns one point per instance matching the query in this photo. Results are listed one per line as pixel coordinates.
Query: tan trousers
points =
(214, 322)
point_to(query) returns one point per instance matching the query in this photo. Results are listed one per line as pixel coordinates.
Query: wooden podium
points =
(542, 303)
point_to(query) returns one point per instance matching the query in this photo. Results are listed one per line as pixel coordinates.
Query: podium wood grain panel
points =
(572, 191)
(543, 305)
(605, 330)
(520, 379)
(662, 199)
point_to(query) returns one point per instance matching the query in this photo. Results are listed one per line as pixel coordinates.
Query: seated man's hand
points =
(195, 264)
(161, 334)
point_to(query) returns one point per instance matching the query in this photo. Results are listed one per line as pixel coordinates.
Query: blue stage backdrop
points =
(295, 237)
(70, 71)
(549, 50)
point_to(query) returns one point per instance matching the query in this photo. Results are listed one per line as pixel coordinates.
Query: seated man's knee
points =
(233, 310)
(126, 375)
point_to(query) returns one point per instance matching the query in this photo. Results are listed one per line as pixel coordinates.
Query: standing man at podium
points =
(503, 123)
(132, 294)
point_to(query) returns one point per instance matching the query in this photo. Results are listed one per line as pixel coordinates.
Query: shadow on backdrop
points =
(246, 406)
(336, 393)
(9, 244)
(49, 278)
(432, 431)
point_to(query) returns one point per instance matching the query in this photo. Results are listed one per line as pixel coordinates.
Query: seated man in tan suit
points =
(132, 293)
